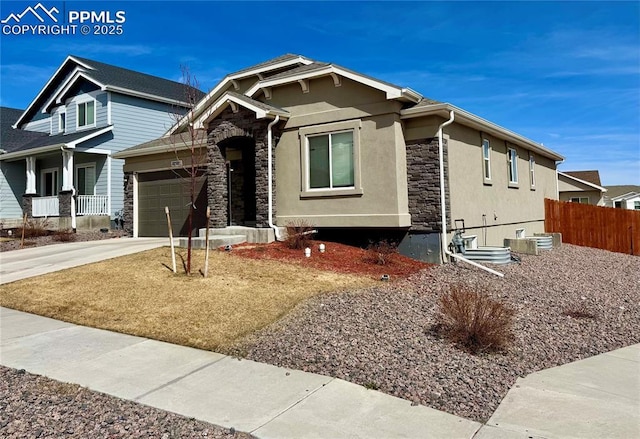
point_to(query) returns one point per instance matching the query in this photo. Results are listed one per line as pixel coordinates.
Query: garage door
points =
(167, 188)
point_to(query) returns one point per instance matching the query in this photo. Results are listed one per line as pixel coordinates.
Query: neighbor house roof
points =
(588, 176)
(622, 190)
(12, 139)
(112, 78)
(573, 176)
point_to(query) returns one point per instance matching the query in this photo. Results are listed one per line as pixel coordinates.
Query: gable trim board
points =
(595, 186)
(233, 99)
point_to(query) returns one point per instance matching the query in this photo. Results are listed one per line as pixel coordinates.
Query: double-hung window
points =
(486, 160)
(581, 200)
(331, 160)
(86, 114)
(62, 122)
(512, 158)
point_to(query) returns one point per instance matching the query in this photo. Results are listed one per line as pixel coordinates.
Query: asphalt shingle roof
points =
(255, 103)
(268, 63)
(616, 191)
(11, 139)
(588, 176)
(141, 82)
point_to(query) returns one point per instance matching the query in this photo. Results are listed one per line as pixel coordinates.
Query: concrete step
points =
(252, 234)
(215, 241)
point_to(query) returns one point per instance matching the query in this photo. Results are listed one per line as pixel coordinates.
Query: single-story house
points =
(293, 139)
(57, 155)
(623, 197)
(581, 187)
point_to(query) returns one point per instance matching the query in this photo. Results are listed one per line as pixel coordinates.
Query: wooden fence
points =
(616, 230)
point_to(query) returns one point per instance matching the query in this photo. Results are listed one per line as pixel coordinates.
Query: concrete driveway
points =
(21, 264)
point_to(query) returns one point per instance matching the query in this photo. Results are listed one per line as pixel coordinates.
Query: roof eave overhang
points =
(148, 96)
(473, 121)
(228, 80)
(229, 100)
(56, 146)
(626, 197)
(579, 180)
(392, 92)
(66, 86)
(20, 120)
(170, 146)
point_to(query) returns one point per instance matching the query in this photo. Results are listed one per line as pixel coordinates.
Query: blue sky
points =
(566, 74)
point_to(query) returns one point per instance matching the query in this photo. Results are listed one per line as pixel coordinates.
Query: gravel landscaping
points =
(570, 303)
(32, 406)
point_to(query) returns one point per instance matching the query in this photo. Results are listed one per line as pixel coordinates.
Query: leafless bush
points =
(475, 321)
(36, 227)
(381, 252)
(299, 234)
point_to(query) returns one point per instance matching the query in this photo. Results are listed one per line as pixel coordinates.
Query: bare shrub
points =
(475, 321)
(299, 234)
(36, 227)
(381, 252)
(64, 236)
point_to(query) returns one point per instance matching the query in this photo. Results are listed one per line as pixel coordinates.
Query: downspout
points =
(270, 175)
(443, 238)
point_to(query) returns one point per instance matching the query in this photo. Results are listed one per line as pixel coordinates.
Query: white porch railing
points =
(45, 206)
(92, 205)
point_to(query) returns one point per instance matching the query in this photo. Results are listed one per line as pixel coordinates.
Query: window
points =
(618, 204)
(62, 122)
(486, 160)
(49, 182)
(581, 200)
(636, 205)
(513, 166)
(86, 179)
(331, 160)
(86, 114)
(532, 170)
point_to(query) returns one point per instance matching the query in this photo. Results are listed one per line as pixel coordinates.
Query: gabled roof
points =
(108, 77)
(592, 177)
(44, 142)
(572, 176)
(234, 99)
(12, 139)
(264, 69)
(619, 191)
(317, 69)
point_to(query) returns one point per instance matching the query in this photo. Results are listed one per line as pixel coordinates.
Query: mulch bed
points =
(339, 258)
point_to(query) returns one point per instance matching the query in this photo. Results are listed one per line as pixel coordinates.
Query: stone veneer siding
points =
(64, 200)
(27, 204)
(127, 211)
(423, 174)
(227, 125)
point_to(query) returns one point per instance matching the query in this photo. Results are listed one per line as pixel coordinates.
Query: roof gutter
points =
(470, 119)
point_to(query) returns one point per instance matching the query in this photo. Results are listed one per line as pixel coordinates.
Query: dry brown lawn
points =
(139, 295)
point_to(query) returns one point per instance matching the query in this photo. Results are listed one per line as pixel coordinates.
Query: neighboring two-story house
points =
(294, 139)
(57, 155)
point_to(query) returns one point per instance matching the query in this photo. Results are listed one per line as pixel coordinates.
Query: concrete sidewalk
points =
(268, 401)
(30, 262)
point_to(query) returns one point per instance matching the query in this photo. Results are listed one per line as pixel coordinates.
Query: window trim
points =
(532, 171)
(62, 116)
(95, 176)
(43, 185)
(512, 166)
(332, 128)
(85, 102)
(486, 161)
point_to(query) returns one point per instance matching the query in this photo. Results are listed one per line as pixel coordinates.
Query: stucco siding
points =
(502, 206)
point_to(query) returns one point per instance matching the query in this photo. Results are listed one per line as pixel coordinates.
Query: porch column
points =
(31, 176)
(67, 170)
